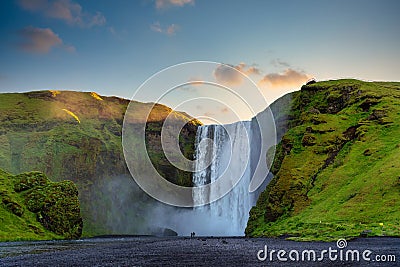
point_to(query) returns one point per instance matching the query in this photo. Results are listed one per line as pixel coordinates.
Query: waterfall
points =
(232, 154)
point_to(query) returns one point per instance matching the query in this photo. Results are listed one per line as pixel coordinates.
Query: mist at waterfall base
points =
(237, 153)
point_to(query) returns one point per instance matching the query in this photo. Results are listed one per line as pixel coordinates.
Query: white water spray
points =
(233, 152)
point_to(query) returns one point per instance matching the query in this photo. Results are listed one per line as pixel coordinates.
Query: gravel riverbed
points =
(198, 251)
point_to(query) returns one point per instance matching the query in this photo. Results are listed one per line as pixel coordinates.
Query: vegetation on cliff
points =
(337, 172)
(34, 208)
(77, 136)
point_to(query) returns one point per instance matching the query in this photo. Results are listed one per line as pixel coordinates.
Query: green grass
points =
(37, 134)
(358, 191)
(33, 208)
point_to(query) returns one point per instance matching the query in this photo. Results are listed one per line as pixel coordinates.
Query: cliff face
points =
(77, 136)
(32, 207)
(336, 167)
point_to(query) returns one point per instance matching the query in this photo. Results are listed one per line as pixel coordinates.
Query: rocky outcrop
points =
(53, 206)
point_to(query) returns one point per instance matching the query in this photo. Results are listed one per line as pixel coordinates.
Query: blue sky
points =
(112, 47)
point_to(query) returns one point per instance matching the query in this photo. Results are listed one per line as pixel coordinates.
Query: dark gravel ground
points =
(182, 251)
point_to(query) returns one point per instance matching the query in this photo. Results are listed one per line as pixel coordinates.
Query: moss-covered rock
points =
(12, 205)
(57, 208)
(308, 140)
(25, 181)
(36, 208)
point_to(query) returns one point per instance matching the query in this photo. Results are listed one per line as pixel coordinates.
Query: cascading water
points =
(232, 155)
(235, 154)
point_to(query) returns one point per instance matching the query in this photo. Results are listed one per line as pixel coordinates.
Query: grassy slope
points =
(28, 198)
(77, 136)
(337, 168)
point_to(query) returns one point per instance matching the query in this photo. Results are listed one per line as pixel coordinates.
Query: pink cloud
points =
(41, 41)
(171, 29)
(65, 10)
(248, 70)
(168, 30)
(33, 5)
(194, 81)
(233, 75)
(288, 78)
(228, 75)
(225, 110)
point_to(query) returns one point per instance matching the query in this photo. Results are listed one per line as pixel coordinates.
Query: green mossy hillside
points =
(78, 136)
(337, 168)
(33, 208)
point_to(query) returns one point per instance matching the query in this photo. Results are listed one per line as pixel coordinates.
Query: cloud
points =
(280, 63)
(156, 27)
(248, 70)
(228, 75)
(233, 75)
(117, 34)
(96, 20)
(288, 78)
(65, 10)
(225, 110)
(187, 89)
(40, 41)
(192, 87)
(171, 29)
(208, 114)
(168, 30)
(162, 4)
(196, 81)
(32, 5)
(112, 30)
(69, 48)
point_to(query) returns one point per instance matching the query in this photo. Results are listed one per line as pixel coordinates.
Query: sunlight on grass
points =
(346, 182)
